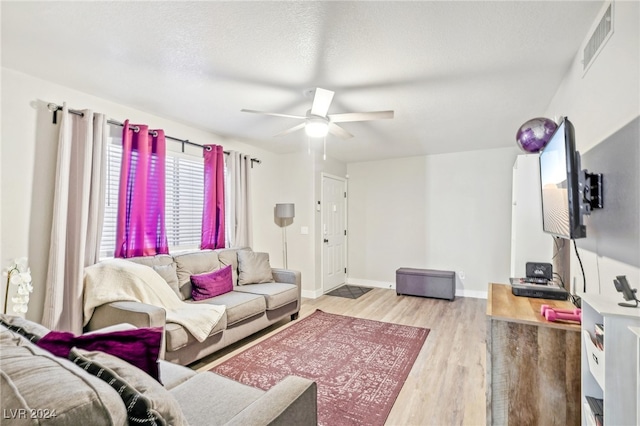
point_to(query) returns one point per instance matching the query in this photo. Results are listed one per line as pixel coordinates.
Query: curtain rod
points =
(55, 108)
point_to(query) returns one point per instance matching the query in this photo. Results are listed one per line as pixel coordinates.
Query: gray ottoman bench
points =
(426, 283)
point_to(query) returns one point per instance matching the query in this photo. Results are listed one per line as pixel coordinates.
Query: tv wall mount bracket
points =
(592, 193)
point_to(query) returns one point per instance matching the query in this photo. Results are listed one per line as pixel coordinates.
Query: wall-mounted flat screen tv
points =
(560, 183)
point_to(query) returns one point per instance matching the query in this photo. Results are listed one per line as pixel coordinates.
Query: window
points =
(183, 202)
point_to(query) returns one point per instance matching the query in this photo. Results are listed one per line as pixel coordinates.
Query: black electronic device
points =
(539, 270)
(535, 280)
(539, 291)
(568, 192)
(622, 285)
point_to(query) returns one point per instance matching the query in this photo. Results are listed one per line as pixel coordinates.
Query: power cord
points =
(560, 278)
(558, 247)
(584, 278)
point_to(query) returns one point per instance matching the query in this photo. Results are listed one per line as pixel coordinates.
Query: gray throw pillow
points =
(253, 268)
(156, 400)
(168, 272)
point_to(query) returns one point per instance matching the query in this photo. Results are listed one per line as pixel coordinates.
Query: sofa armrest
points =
(287, 276)
(134, 313)
(293, 401)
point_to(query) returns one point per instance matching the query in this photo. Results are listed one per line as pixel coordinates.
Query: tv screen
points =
(560, 182)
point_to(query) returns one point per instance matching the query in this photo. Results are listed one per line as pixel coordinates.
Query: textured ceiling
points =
(459, 75)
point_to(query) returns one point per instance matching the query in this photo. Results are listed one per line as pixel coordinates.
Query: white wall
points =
(448, 212)
(599, 103)
(300, 183)
(28, 156)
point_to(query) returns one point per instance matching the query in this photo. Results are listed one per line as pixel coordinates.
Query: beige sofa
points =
(37, 387)
(250, 307)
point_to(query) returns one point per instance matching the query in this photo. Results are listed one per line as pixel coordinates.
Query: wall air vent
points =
(598, 38)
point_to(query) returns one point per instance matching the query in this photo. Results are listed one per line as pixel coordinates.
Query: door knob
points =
(326, 240)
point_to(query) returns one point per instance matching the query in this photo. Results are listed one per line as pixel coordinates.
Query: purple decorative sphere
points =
(534, 135)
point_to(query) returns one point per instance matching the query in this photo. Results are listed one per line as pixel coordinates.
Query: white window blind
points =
(183, 202)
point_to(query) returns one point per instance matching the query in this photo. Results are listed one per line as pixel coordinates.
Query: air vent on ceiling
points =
(598, 38)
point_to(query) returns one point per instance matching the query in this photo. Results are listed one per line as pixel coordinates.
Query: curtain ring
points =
(135, 128)
(154, 134)
(208, 147)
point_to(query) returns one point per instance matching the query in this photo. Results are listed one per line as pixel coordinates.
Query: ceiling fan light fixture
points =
(316, 127)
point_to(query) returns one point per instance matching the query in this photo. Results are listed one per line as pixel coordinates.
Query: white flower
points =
(21, 264)
(20, 309)
(19, 274)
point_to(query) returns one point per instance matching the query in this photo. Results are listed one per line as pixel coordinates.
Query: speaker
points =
(539, 270)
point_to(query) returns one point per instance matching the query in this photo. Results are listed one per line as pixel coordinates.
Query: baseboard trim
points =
(311, 294)
(476, 294)
(314, 294)
(370, 283)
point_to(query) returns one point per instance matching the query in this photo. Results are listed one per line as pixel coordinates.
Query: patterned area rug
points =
(359, 365)
(349, 291)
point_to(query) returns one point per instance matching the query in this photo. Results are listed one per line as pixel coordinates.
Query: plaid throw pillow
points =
(20, 330)
(139, 411)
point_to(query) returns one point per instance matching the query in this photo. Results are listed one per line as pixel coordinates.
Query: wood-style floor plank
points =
(446, 385)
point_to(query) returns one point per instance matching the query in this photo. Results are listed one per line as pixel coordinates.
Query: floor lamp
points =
(284, 212)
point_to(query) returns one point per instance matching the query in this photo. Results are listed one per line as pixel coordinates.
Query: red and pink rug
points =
(359, 365)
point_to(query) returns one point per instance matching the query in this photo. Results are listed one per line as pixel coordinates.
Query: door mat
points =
(349, 291)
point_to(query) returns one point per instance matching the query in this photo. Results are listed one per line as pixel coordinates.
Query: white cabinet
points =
(636, 331)
(610, 374)
(528, 242)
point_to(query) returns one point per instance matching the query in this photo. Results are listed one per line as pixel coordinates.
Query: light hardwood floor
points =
(446, 385)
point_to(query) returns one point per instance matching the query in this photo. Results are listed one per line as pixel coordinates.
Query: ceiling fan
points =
(317, 123)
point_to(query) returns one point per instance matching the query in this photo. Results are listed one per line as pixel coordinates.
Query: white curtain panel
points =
(78, 212)
(240, 233)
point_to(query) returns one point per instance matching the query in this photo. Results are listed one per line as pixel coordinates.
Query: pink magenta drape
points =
(141, 228)
(213, 214)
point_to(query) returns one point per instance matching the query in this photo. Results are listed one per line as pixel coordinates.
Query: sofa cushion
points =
(159, 399)
(253, 268)
(139, 408)
(276, 294)
(138, 346)
(194, 263)
(240, 306)
(178, 337)
(29, 329)
(173, 374)
(200, 398)
(33, 378)
(230, 257)
(157, 260)
(164, 265)
(170, 275)
(211, 284)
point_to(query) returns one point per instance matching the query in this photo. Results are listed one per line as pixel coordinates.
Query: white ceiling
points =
(460, 75)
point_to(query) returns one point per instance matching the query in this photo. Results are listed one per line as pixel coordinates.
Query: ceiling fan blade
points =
(360, 116)
(321, 102)
(334, 129)
(273, 114)
(290, 130)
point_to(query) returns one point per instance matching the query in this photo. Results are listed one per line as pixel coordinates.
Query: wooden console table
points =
(533, 365)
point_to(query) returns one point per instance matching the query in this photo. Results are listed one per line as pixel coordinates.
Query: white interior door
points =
(333, 230)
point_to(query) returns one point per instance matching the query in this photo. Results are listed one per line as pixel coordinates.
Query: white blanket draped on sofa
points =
(117, 280)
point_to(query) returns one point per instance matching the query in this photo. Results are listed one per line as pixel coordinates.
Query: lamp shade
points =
(285, 211)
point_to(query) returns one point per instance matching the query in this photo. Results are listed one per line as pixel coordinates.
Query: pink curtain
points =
(141, 229)
(213, 214)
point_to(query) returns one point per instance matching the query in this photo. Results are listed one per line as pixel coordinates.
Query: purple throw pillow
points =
(139, 347)
(211, 284)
